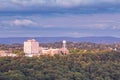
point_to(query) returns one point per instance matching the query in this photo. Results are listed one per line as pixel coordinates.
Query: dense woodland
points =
(75, 66)
(86, 61)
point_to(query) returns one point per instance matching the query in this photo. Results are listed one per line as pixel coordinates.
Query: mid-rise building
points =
(31, 47)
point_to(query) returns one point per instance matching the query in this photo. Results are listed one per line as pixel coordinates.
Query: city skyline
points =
(56, 18)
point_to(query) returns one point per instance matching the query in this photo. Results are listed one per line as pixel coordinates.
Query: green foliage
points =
(18, 52)
(79, 66)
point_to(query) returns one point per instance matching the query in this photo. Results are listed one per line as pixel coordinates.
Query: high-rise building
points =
(31, 47)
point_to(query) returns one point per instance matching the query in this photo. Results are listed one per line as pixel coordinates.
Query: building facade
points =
(31, 47)
(7, 53)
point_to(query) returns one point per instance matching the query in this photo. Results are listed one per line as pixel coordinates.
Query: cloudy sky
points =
(51, 18)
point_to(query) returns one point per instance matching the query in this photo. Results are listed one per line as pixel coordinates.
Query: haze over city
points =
(55, 18)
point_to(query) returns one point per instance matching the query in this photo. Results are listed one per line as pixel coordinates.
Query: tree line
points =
(75, 66)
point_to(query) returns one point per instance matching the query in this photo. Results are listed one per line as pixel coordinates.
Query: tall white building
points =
(31, 47)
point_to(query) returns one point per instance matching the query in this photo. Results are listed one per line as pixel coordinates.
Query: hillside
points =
(11, 40)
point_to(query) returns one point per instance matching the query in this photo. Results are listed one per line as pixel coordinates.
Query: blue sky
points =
(53, 18)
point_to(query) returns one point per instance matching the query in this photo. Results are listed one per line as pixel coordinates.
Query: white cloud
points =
(24, 22)
(68, 3)
(15, 23)
(71, 25)
(98, 21)
(62, 2)
(54, 3)
(79, 34)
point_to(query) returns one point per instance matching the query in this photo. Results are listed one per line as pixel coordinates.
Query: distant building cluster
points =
(7, 53)
(32, 48)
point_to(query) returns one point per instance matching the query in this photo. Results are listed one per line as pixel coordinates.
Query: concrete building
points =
(31, 47)
(7, 53)
(50, 51)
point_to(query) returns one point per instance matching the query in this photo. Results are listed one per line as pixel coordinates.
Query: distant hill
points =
(12, 40)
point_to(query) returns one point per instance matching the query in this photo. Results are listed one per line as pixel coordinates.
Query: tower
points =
(64, 44)
(64, 49)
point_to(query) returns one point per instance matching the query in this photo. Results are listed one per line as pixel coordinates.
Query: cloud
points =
(60, 6)
(23, 22)
(98, 21)
(80, 34)
(17, 23)
(70, 25)
(63, 3)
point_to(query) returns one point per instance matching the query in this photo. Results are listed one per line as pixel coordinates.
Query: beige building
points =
(50, 51)
(7, 53)
(31, 47)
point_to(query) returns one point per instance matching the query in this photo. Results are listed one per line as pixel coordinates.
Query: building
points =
(7, 53)
(31, 47)
(50, 51)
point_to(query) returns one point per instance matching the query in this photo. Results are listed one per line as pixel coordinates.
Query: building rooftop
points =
(31, 40)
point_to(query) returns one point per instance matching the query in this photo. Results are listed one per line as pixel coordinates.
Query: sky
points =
(59, 18)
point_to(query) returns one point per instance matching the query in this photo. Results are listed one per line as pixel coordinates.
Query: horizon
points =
(56, 18)
(99, 40)
(60, 37)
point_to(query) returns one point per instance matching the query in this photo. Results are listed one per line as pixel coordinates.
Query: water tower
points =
(64, 44)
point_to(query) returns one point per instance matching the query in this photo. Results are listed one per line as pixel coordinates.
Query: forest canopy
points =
(76, 66)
